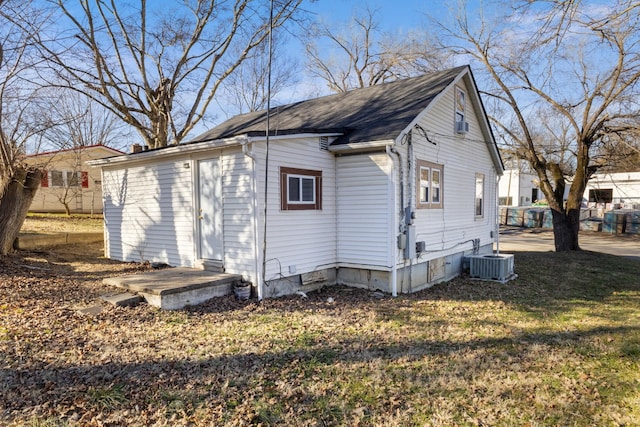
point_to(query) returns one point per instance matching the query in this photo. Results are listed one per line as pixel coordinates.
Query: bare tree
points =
(360, 55)
(80, 123)
(23, 118)
(246, 89)
(158, 70)
(561, 77)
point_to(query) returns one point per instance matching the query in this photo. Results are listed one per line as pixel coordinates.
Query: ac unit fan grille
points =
(491, 267)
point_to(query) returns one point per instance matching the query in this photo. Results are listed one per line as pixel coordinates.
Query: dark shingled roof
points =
(373, 113)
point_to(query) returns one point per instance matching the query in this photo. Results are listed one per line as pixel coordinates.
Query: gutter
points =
(497, 224)
(175, 150)
(360, 147)
(254, 184)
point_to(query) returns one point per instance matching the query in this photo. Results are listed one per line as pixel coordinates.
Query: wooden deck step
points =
(176, 288)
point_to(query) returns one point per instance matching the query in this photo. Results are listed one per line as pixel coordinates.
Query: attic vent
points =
(324, 143)
(491, 267)
(462, 127)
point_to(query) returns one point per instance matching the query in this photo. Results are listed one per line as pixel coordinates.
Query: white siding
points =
(149, 213)
(519, 186)
(301, 240)
(625, 188)
(363, 198)
(450, 230)
(237, 195)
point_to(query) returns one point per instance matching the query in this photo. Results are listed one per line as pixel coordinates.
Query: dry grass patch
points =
(558, 346)
(51, 223)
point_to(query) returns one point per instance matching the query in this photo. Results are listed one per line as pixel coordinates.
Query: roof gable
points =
(373, 113)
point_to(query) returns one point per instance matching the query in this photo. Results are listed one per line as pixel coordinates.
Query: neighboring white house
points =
(519, 188)
(69, 180)
(386, 187)
(620, 190)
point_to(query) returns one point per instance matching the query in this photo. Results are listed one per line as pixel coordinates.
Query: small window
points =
(460, 105)
(435, 186)
(74, 179)
(479, 203)
(301, 189)
(601, 195)
(425, 184)
(57, 178)
(429, 185)
(505, 201)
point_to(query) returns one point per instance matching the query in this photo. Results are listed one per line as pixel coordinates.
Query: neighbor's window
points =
(73, 179)
(65, 179)
(57, 178)
(601, 195)
(300, 189)
(505, 201)
(429, 184)
(479, 205)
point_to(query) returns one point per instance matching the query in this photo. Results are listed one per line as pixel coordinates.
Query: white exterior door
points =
(210, 210)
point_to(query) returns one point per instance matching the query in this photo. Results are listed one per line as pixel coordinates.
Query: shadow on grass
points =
(549, 281)
(78, 386)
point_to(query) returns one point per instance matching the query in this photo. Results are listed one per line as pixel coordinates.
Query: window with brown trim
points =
(479, 201)
(300, 189)
(429, 185)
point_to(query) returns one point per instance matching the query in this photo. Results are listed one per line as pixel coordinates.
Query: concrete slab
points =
(175, 288)
(124, 299)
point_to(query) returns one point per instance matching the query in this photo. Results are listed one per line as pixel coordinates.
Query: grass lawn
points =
(560, 345)
(48, 223)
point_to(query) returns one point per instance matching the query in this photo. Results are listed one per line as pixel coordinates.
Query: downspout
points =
(394, 222)
(254, 185)
(497, 224)
(410, 175)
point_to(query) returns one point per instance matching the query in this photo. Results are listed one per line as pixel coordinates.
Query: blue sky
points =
(400, 15)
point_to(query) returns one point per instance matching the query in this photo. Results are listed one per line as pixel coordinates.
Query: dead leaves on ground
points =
(459, 353)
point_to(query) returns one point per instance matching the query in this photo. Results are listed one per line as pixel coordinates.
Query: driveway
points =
(541, 240)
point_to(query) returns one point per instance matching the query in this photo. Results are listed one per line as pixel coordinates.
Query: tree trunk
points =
(16, 194)
(566, 226)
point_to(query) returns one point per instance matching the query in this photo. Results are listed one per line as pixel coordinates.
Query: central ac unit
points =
(462, 127)
(492, 267)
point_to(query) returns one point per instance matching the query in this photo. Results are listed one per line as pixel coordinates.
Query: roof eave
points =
(260, 138)
(360, 147)
(175, 150)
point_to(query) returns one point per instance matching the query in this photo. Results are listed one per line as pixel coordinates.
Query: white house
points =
(614, 190)
(69, 180)
(385, 187)
(519, 188)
